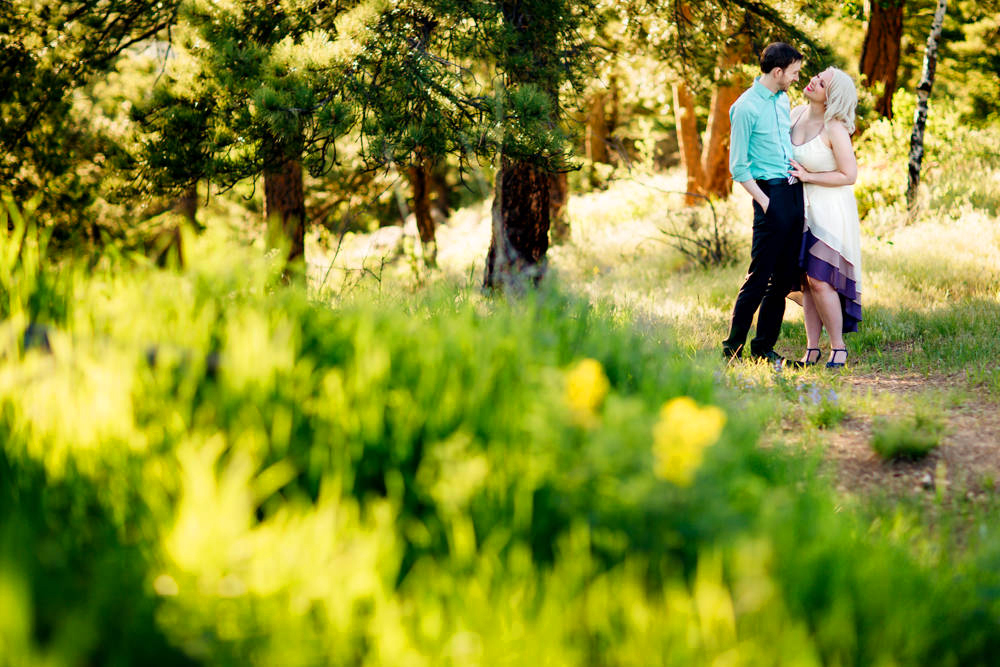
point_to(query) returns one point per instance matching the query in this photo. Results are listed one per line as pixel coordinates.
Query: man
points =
(760, 150)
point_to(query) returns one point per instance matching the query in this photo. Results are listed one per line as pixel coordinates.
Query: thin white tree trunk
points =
(923, 94)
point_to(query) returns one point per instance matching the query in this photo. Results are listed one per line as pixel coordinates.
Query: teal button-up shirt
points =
(760, 139)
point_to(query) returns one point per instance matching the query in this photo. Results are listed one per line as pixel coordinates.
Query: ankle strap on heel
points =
(833, 363)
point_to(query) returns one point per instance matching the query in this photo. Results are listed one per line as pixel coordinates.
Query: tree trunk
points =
(559, 191)
(715, 152)
(521, 210)
(520, 226)
(881, 49)
(439, 186)
(920, 117)
(688, 140)
(715, 155)
(616, 104)
(420, 179)
(187, 204)
(558, 195)
(597, 129)
(285, 208)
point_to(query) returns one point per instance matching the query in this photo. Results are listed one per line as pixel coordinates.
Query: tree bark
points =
(597, 129)
(923, 94)
(559, 190)
(187, 204)
(439, 186)
(285, 208)
(520, 226)
(558, 195)
(616, 104)
(521, 212)
(420, 179)
(715, 155)
(881, 49)
(688, 140)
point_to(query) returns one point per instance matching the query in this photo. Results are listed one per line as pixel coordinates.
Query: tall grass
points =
(251, 476)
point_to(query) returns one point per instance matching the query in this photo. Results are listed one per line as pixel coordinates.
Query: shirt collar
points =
(764, 92)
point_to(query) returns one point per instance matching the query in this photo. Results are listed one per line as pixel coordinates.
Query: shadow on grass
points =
(76, 587)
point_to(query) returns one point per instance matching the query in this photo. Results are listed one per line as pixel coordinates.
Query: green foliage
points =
(948, 142)
(29, 291)
(50, 574)
(695, 38)
(968, 56)
(391, 481)
(908, 438)
(417, 84)
(249, 90)
(49, 51)
(358, 92)
(98, 94)
(828, 413)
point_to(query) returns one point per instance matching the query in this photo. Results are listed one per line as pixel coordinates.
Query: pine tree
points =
(881, 50)
(478, 81)
(255, 92)
(417, 101)
(536, 49)
(49, 50)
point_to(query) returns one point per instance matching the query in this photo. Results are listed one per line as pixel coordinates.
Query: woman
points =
(831, 242)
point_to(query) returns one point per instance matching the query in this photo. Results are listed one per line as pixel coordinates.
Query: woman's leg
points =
(814, 325)
(827, 303)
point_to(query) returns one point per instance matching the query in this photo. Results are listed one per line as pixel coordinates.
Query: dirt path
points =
(966, 462)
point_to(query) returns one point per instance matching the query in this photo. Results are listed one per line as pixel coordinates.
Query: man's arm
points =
(741, 125)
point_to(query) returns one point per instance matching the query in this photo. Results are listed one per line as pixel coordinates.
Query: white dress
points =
(831, 238)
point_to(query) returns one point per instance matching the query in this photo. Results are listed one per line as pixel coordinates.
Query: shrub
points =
(828, 414)
(909, 438)
(885, 145)
(703, 238)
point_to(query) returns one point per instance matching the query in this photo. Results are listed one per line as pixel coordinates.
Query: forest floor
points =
(967, 461)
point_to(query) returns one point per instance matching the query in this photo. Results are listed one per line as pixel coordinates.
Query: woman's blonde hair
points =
(841, 99)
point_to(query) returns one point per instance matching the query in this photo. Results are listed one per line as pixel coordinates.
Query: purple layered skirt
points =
(821, 262)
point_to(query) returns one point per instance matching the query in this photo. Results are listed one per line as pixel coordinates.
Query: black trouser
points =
(774, 267)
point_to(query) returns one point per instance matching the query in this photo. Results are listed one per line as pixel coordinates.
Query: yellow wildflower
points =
(586, 386)
(681, 435)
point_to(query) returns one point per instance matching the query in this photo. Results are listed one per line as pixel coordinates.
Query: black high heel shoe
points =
(833, 363)
(809, 361)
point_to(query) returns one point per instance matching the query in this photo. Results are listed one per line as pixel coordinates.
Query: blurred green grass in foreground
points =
(425, 480)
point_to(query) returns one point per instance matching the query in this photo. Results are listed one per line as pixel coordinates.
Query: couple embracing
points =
(799, 167)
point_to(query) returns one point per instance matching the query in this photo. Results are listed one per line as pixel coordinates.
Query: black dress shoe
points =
(772, 357)
(730, 353)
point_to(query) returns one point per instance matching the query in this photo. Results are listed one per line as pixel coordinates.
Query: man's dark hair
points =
(778, 54)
